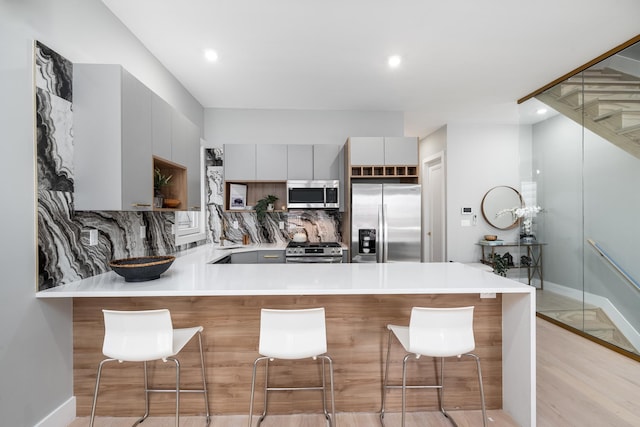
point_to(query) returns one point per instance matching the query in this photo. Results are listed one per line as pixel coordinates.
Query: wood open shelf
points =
(177, 188)
(387, 171)
(256, 190)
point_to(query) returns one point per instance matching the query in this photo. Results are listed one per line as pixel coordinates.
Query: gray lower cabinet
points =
(250, 257)
(271, 257)
(258, 257)
(112, 139)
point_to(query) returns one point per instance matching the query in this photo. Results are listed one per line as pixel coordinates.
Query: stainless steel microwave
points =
(313, 194)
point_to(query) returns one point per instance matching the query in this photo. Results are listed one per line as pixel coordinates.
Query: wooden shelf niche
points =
(407, 173)
(177, 188)
(256, 190)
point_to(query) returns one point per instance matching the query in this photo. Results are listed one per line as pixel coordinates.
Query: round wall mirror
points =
(498, 199)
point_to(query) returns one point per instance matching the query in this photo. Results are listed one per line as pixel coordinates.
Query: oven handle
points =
(314, 260)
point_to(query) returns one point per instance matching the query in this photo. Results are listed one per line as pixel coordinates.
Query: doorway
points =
(433, 200)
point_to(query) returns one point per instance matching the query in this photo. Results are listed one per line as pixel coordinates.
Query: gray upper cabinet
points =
(401, 151)
(185, 143)
(380, 151)
(271, 162)
(112, 139)
(367, 150)
(327, 161)
(300, 162)
(240, 162)
(161, 113)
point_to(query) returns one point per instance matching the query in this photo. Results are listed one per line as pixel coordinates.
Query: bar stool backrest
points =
(441, 332)
(137, 336)
(292, 334)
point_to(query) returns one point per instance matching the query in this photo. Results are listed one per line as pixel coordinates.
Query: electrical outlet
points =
(235, 224)
(93, 237)
(173, 229)
(487, 295)
(143, 231)
(281, 225)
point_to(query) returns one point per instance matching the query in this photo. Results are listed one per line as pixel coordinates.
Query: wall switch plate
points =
(143, 231)
(487, 295)
(89, 237)
(281, 225)
(465, 223)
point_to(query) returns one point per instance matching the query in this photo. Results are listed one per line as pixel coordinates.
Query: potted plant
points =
(500, 264)
(263, 205)
(159, 180)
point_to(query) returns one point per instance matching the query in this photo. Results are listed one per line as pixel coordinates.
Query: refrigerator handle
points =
(385, 236)
(379, 237)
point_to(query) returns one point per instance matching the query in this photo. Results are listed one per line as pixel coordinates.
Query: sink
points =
(230, 247)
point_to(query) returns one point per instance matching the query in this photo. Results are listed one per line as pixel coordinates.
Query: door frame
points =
(428, 162)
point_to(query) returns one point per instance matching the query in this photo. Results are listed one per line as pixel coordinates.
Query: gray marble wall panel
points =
(64, 253)
(318, 225)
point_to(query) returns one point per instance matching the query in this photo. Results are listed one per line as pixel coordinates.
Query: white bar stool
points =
(292, 335)
(433, 332)
(143, 336)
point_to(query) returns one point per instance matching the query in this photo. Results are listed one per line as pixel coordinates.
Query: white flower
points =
(527, 213)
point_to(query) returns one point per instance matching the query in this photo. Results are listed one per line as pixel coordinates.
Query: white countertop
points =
(192, 274)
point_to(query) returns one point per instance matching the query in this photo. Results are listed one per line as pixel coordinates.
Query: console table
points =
(533, 252)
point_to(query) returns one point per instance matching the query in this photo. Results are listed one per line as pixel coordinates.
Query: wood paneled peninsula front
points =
(360, 299)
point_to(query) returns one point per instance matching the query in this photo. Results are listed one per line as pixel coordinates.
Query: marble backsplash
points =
(64, 254)
(319, 225)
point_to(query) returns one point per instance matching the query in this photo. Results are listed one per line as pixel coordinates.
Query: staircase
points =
(593, 321)
(610, 101)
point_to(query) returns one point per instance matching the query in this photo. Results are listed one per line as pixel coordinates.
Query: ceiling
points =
(463, 60)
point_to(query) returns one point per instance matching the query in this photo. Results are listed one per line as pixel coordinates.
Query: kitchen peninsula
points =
(360, 299)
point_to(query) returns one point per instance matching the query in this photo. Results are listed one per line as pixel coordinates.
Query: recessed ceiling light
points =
(394, 61)
(211, 55)
(541, 111)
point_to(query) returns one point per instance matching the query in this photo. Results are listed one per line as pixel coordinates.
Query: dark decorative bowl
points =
(142, 269)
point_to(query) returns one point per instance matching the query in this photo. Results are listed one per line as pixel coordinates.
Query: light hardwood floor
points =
(580, 384)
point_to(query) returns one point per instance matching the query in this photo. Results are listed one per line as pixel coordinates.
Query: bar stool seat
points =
(437, 333)
(293, 335)
(144, 336)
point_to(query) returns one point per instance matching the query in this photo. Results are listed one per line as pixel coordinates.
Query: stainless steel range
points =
(313, 252)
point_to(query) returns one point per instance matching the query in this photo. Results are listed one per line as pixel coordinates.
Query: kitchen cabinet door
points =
(161, 127)
(185, 143)
(327, 161)
(367, 151)
(300, 162)
(112, 139)
(271, 162)
(400, 151)
(239, 162)
(250, 257)
(271, 257)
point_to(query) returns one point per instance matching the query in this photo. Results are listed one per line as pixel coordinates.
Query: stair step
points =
(577, 97)
(600, 106)
(632, 132)
(612, 86)
(619, 120)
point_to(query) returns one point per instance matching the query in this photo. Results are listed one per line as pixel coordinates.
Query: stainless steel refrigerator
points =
(385, 223)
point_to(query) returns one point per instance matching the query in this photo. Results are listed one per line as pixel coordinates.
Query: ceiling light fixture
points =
(541, 111)
(394, 61)
(211, 55)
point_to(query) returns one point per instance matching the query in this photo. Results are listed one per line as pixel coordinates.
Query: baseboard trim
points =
(62, 416)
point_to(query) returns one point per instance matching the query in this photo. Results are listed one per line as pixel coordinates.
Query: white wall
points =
(250, 126)
(36, 338)
(478, 158)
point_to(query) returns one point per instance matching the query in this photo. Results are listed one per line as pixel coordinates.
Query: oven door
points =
(313, 260)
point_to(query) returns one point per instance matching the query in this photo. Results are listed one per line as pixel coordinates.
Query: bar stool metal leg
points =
(95, 393)
(146, 396)
(204, 380)
(386, 379)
